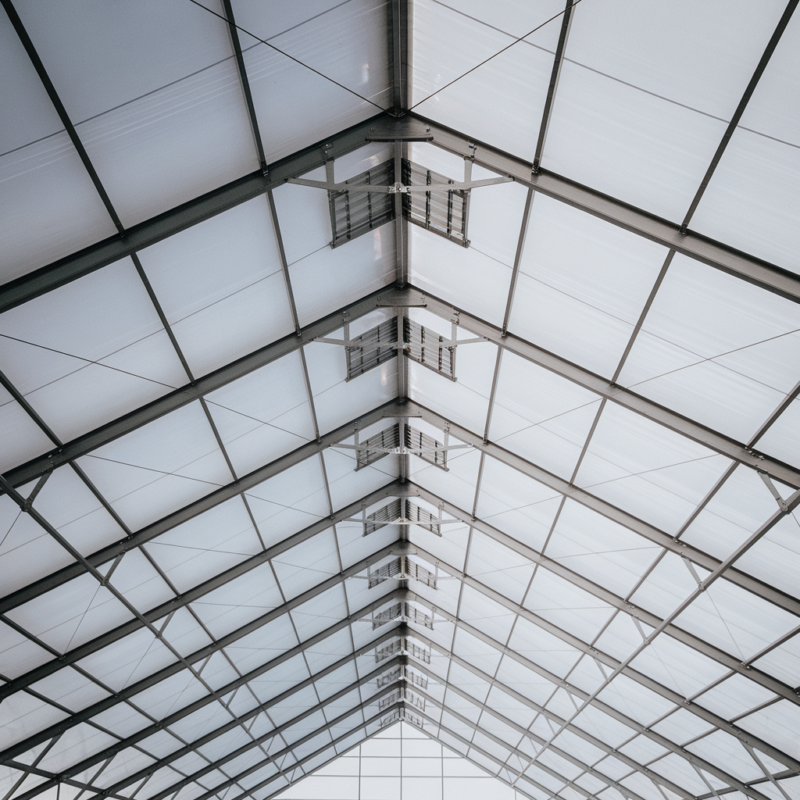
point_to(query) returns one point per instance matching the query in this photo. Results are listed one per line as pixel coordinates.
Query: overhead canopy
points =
(398, 370)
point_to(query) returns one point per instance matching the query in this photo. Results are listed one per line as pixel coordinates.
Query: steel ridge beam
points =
(131, 691)
(193, 746)
(138, 237)
(191, 392)
(612, 512)
(524, 757)
(604, 388)
(608, 597)
(715, 254)
(593, 740)
(211, 500)
(598, 655)
(636, 727)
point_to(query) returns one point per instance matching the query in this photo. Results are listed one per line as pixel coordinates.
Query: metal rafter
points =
(610, 661)
(555, 75)
(169, 607)
(608, 597)
(202, 386)
(538, 709)
(262, 708)
(719, 443)
(783, 22)
(644, 529)
(233, 489)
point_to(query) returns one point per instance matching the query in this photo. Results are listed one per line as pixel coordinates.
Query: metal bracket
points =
(773, 490)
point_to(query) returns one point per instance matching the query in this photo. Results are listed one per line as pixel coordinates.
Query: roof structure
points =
(399, 368)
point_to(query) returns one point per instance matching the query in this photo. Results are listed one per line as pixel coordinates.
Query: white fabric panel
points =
(206, 545)
(307, 564)
(775, 558)
(635, 700)
(540, 416)
(715, 349)
(263, 415)
(148, 104)
(777, 724)
(543, 648)
(98, 336)
(160, 467)
(465, 276)
(262, 645)
(19, 652)
(735, 696)
(337, 400)
(485, 614)
(749, 202)
(600, 549)
(736, 511)
(346, 43)
(499, 567)
(582, 285)
(782, 440)
(567, 606)
(646, 469)
(328, 279)
(279, 679)
(70, 688)
(600, 724)
(457, 485)
(304, 217)
(72, 614)
(22, 437)
(510, 89)
(289, 502)
(27, 551)
(320, 612)
(347, 485)
(783, 661)
(221, 287)
(645, 150)
(23, 715)
(239, 601)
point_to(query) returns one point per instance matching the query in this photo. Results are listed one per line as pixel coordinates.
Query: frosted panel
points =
(502, 100)
(750, 202)
(582, 286)
(655, 151)
(782, 440)
(147, 103)
(715, 349)
(466, 277)
(97, 337)
(345, 44)
(647, 470)
(221, 287)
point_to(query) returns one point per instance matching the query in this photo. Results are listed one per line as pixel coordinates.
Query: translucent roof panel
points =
(374, 421)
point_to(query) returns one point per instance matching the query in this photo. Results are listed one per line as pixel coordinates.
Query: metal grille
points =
(402, 568)
(386, 572)
(413, 719)
(383, 517)
(426, 447)
(374, 448)
(393, 717)
(414, 615)
(414, 700)
(391, 649)
(368, 353)
(419, 516)
(423, 348)
(420, 653)
(417, 680)
(442, 211)
(391, 676)
(356, 213)
(389, 700)
(402, 610)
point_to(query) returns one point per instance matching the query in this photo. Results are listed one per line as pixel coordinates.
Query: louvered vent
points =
(383, 516)
(423, 518)
(374, 448)
(391, 649)
(442, 211)
(420, 653)
(416, 680)
(426, 447)
(356, 213)
(367, 353)
(423, 348)
(391, 676)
